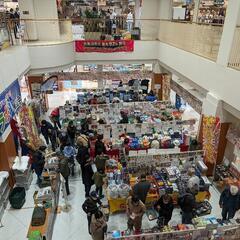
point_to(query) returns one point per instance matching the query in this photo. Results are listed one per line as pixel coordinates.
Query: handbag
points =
(39, 216)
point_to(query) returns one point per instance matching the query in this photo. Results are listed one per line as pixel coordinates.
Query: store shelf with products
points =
(46, 199)
(212, 12)
(4, 192)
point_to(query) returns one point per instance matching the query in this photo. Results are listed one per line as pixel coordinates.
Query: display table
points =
(44, 229)
(119, 204)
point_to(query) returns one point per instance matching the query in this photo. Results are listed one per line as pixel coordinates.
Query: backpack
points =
(38, 216)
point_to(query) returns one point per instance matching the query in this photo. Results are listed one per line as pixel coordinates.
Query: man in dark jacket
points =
(71, 131)
(46, 130)
(141, 189)
(164, 207)
(100, 146)
(38, 161)
(229, 202)
(90, 207)
(64, 170)
(187, 204)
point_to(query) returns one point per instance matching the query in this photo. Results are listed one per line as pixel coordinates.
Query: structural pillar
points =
(212, 106)
(231, 21)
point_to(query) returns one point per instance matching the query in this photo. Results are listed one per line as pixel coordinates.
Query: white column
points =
(212, 106)
(41, 19)
(196, 7)
(230, 24)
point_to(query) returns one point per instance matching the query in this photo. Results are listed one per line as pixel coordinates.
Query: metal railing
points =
(200, 39)
(234, 59)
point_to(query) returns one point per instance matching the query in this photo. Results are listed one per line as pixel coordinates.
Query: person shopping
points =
(98, 179)
(65, 171)
(135, 211)
(187, 204)
(38, 160)
(164, 207)
(55, 118)
(229, 202)
(98, 226)
(91, 206)
(69, 152)
(142, 188)
(71, 131)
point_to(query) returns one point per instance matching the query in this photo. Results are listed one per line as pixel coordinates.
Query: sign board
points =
(10, 102)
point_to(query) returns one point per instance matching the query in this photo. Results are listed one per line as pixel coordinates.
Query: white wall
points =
(45, 58)
(165, 9)
(221, 81)
(14, 61)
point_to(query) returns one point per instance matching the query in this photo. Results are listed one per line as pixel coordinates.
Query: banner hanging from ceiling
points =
(211, 134)
(104, 46)
(10, 103)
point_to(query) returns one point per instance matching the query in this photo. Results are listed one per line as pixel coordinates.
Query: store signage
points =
(104, 46)
(10, 102)
(211, 133)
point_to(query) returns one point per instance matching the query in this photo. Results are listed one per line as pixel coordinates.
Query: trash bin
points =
(17, 197)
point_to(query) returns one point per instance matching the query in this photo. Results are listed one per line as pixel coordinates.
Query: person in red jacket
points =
(55, 118)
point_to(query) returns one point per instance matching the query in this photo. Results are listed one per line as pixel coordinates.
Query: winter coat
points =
(87, 175)
(38, 161)
(227, 200)
(71, 131)
(98, 179)
(90, 205)
(99, 147)
(141, 190)
(82, 155)
(165, 209)
(63, 167)
(97, 228)
(187, 202)
(47, 129)
(100, 162)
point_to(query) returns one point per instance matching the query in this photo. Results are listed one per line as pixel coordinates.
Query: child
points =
(69, 152)
(98, 179)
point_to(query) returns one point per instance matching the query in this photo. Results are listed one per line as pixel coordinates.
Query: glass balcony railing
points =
(200, 39)
(234, 59)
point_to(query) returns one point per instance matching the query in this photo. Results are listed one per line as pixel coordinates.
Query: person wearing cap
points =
(91, 206)
(164, 207)
(229, 202)
(142, 188)
(135, 211)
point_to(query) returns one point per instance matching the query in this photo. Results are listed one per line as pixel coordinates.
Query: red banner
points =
(104, 46)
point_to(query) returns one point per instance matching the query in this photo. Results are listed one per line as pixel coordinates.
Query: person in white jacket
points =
(129, 21)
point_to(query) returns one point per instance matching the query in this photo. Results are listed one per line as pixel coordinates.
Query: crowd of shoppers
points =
(87, 147)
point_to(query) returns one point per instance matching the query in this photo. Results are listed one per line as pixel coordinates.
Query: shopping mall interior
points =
(119, 119)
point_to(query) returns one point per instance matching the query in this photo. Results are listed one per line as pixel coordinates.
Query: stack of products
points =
(22, 172)
(4, 192)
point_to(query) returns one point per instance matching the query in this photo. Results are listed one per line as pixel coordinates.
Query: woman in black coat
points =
(83, 158)
(164, 207)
